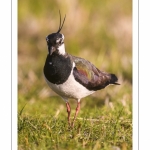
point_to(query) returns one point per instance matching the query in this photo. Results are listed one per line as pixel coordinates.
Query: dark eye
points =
(59, 41)
(47, 39)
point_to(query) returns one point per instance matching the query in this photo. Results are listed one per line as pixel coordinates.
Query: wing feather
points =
(91, 77)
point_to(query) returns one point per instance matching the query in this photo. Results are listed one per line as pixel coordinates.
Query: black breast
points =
(57, 68)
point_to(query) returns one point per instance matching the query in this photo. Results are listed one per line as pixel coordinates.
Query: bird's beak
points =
(51, 49)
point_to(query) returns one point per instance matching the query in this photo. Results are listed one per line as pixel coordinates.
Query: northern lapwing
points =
(69, 76)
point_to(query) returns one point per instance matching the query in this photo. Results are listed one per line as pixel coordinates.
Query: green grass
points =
(93, 129)
(42, 124)
(99, 31)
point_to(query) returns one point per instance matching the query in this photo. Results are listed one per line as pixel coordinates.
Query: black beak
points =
(51, 49)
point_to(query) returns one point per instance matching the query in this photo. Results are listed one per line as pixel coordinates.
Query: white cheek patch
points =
(57, 41)
(61, 49)
(63, 36)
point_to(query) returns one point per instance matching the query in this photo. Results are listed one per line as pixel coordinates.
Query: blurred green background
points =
(97, 30)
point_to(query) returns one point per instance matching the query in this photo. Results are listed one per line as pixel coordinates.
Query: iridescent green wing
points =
(89, 76)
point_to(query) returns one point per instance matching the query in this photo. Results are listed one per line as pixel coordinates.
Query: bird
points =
(72, 77)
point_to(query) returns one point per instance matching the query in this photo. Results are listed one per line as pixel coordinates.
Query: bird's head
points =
(55, 41)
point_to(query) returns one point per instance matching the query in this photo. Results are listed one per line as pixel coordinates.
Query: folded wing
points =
(91, 77)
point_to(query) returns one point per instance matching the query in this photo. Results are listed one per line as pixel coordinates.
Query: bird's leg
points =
(68, 111)
(76, 113)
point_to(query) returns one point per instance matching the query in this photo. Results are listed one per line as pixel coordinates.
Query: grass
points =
(101, 124)
(93, 130)
(99, 31)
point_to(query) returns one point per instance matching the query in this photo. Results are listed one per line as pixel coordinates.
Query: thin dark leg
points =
(68, 111)
(76, 113)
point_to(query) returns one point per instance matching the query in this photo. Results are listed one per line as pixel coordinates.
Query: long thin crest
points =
(60, 26)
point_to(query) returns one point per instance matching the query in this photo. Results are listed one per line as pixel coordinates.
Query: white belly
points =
(70, 89)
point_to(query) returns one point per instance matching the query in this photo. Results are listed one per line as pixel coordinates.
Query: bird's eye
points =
(59, 41)
(47, 39)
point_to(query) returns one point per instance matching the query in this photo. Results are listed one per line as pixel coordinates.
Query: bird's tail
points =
(114, 79)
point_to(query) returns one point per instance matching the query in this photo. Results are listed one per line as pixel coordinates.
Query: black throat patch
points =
(57, 68)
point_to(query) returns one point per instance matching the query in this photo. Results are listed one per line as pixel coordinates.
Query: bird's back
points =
(91, 77)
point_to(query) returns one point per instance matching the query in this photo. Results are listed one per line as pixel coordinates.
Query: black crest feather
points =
(61, 25)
